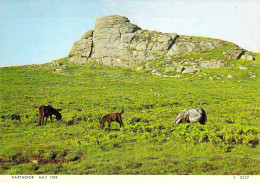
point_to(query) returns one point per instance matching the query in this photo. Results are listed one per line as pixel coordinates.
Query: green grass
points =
(150, 143)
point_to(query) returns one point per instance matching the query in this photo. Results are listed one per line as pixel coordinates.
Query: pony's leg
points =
(51, 118)
(101, 125)
(121, 123)
(109, 125)
(119, 120)
(46, 120)
(39, 120)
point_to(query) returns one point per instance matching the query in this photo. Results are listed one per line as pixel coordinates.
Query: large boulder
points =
(116, 41)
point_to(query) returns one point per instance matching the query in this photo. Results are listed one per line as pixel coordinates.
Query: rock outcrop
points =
(116, 41)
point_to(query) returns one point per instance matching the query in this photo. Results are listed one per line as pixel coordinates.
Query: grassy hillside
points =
(150, 143)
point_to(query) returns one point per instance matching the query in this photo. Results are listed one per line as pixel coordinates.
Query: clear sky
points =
(39, 31)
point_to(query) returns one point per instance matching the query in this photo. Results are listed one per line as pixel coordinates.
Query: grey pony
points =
(197, 114)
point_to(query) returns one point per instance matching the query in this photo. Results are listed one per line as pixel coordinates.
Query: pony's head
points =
(58, 116)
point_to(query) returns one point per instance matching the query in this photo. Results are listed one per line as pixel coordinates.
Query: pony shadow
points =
(111, 129)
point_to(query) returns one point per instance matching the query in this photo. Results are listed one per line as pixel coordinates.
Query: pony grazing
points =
(197, 114)
(112, 117)
(45, 112)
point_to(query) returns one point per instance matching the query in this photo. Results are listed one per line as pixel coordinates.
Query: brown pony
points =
(112, 117)
(45, 112)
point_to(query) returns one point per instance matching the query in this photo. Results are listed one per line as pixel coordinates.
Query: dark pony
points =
(45, 112)
(112, 117)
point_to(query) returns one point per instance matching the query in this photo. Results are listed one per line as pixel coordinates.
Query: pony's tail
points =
(122, 111)
(204, 117)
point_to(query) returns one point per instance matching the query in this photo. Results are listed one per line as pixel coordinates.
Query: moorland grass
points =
(150, 143)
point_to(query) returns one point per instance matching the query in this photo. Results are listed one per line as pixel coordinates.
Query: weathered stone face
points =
(111, 38)
(82, 49)
(116, 41)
